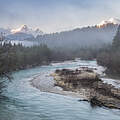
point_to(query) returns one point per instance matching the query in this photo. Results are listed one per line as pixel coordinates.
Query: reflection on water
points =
(21, 101)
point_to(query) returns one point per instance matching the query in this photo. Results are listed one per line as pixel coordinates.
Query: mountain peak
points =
(109, 21)
(114, 20)
(27, 30)
(23, 28)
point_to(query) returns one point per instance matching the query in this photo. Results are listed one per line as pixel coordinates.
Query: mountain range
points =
(91, 36)
(21, 33)
(94, 36)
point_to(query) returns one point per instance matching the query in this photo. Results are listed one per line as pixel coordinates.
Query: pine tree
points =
(116, 40)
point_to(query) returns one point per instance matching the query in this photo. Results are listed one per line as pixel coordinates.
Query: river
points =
(22, 101)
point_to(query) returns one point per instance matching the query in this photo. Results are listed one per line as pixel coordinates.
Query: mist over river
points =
(23, 101)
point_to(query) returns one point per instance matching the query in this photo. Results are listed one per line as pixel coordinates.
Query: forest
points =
(110, 56)
(16, 56)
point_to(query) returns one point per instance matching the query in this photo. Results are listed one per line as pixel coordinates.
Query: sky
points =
(56, 15)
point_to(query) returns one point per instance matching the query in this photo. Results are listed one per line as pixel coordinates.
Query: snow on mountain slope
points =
(97, 35)
(110, 21)
(27, 30)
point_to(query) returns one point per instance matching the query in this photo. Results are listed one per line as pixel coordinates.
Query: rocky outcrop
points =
(86, 82)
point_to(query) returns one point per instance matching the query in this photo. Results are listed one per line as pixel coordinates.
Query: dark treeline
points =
(110, 56)
(87, 53)
(14, 57)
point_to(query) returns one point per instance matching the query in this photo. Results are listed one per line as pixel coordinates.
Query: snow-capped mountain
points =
(22, 33)
(91, 36)
(97, 35)
(25, 29)
(110, 21)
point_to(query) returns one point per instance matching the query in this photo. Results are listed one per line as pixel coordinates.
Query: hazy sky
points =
(56, 15)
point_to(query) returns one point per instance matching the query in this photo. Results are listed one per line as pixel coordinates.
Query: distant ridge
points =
(91, 36)
(110, 21)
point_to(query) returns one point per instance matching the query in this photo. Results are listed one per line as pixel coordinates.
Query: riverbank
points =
(25, 67)
(47, 84)
(87, 83)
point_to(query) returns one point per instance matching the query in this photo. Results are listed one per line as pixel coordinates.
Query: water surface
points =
(22, 101)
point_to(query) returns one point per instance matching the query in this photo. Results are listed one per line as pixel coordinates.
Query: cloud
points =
(55, 15)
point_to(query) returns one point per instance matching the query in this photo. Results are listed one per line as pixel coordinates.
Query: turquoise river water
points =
(22, 101)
